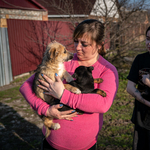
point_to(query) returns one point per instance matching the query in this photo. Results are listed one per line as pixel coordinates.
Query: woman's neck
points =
(89, 62)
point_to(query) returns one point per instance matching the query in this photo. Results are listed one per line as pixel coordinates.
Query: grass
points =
(12, 94)
(21, 79)
(117, 131)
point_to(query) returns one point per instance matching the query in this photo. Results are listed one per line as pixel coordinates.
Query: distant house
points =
(101, 8)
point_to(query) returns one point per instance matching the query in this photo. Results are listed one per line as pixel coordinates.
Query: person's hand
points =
(53, 88)
(55, 113)
(146, 79)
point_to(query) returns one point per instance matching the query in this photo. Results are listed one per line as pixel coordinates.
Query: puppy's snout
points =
(70, 55)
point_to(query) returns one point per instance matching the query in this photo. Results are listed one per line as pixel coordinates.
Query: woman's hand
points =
(55, 113)
(131, 89)
(53, 88)
(146, 79)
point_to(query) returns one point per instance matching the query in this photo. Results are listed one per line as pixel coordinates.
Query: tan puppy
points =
(52, 63)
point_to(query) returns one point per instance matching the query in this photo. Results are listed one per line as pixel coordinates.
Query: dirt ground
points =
(14, 114)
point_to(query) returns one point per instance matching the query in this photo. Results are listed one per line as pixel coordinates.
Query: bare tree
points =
(124, 20)
(126, 23)
(36, 36)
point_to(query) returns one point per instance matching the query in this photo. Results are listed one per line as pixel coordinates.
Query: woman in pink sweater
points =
(81, 132)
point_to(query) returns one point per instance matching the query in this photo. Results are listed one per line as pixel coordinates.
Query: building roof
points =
(67, 7)
(21, 4)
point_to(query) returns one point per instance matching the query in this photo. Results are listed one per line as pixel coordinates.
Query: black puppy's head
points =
(83, 73)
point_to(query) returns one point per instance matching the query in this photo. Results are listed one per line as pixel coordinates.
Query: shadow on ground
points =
(16, 133)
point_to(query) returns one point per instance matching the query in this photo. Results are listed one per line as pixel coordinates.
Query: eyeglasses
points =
(83, 43)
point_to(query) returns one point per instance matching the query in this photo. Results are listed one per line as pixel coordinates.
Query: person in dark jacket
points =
(138, 85)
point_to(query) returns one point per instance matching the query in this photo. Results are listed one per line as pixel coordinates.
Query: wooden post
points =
(3, 23)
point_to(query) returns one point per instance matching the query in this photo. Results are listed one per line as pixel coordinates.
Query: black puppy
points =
(84, 81)
(143, 111)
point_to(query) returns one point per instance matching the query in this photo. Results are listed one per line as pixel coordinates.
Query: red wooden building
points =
(26, 30)
(28, 41)
(15, 9)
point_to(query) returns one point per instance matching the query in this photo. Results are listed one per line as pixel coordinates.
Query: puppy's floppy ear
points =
(90, 68)
(74, 75)
(53, 53)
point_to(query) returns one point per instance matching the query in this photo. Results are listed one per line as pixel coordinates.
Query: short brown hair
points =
(95, 30)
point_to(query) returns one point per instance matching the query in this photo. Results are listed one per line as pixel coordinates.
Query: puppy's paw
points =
(56, 126)
(98, 80)
(103, 94)
(76, 91)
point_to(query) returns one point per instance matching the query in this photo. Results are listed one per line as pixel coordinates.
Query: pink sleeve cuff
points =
(65, 97)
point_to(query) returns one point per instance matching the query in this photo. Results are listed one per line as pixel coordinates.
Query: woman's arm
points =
(40, 106)
(92, 103)
(132, 90)
(36, 103)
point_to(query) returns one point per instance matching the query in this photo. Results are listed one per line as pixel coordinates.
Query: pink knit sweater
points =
(82, 132)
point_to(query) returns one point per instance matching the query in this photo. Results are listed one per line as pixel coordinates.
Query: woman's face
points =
(85, 48)
(148, 40)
